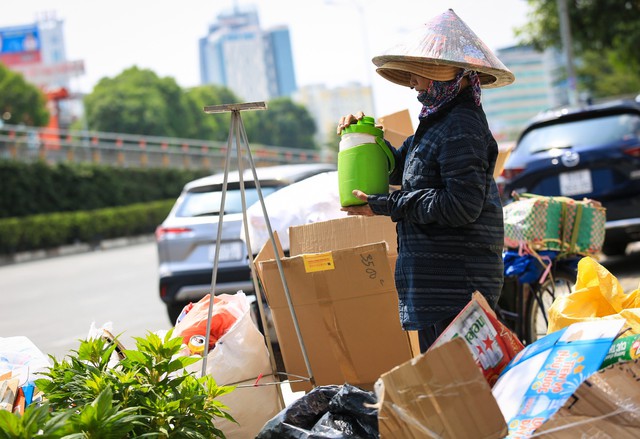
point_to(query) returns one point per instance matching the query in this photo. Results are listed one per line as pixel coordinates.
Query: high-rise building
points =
(256, 64)
(327, 105)
(539, 85)
(37, 51)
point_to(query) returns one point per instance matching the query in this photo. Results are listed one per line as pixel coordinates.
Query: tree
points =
(20, 102)
(284, 123)
(607, 31)
(209, 126)
(137, 101)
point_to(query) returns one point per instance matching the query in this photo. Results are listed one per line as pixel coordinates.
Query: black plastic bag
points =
(327, 412)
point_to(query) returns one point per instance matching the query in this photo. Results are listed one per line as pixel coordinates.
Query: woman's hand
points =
(364, 210)
(347, 120)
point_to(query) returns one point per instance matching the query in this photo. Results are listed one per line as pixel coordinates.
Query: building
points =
(539, 85)
(256, 64)
(37, 51)
(327, 105)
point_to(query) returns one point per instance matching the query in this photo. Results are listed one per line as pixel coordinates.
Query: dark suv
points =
(591, 151)
(186, 238)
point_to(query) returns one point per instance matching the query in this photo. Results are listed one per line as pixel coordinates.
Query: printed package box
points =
(492, 344)
(342, 289)
(543, 377)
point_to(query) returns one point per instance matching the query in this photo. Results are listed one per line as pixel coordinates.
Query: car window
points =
(576, 134)
(208, 203)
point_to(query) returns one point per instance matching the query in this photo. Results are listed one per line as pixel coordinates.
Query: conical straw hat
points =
(443, 45)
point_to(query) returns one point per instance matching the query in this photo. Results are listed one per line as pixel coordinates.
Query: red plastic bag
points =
(194, 321)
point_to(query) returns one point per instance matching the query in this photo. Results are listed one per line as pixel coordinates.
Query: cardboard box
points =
(397, 127)
(504, 151)
(344, 299)
(606, 405)
(440, 394)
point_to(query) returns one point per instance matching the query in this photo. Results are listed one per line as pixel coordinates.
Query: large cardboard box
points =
(340, 280)
(606, 405)
(397, 127)
(440, 394)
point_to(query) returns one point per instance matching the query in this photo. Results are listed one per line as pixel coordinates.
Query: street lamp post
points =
(567, 49)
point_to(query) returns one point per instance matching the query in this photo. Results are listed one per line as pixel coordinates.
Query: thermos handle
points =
(392, 161)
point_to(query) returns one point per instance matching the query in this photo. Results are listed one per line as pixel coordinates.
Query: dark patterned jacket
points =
(448, 213)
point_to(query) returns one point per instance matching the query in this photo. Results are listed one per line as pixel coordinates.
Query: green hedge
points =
(45, 231)
(33, 188)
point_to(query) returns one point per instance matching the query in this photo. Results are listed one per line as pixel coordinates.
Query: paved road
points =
(625, 268)
(55, 301)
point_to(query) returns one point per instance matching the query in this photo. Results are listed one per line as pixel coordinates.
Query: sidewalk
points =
(73, 249)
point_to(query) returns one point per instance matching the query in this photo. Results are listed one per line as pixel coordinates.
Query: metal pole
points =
(567, 49)
(285, 286)
(237, 130)
(274, 369)
(214, 273)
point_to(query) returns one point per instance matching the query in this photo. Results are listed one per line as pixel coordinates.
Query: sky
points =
(333, 41)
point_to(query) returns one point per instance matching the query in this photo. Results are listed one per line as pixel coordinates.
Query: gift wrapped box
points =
(555, 223)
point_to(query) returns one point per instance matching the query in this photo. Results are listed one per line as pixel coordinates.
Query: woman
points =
(447, 210)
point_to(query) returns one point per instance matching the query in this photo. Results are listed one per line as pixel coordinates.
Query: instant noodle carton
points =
(492, 344)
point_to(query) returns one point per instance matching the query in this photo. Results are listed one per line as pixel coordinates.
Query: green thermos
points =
(364, 161)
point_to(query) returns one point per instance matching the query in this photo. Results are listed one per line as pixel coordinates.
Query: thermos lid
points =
(365, 125)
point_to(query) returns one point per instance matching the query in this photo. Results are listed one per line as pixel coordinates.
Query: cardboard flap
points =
(397, 127)
(343, 233)
(267, 253)
(426, 397)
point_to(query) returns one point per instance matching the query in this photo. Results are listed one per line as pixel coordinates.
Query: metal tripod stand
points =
(238, 135)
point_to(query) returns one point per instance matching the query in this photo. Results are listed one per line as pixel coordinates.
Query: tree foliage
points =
(20, 102)
(209, 126)
(607, 32)
(284, 123)
(137, 101)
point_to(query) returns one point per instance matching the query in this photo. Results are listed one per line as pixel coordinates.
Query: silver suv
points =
(186, 238)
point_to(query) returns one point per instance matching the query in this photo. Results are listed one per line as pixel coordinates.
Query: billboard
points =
(20, 45)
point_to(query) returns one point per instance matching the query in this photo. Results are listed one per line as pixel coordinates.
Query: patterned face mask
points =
(441, 92)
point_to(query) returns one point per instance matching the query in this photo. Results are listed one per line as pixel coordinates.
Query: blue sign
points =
(19, 39)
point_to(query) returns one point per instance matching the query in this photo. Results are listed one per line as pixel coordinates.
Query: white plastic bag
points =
(20, 357)
(311, 200)
(239, 357)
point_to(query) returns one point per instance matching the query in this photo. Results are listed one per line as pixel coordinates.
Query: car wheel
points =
(614, 248)
(174, 310)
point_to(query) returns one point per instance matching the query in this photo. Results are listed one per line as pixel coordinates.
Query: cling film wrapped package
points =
(555, 223)
(623, 349)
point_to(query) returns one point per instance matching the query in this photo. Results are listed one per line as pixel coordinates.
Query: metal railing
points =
(127, 150)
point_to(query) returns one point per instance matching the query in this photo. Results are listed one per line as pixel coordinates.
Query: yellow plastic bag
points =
(596, 295)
